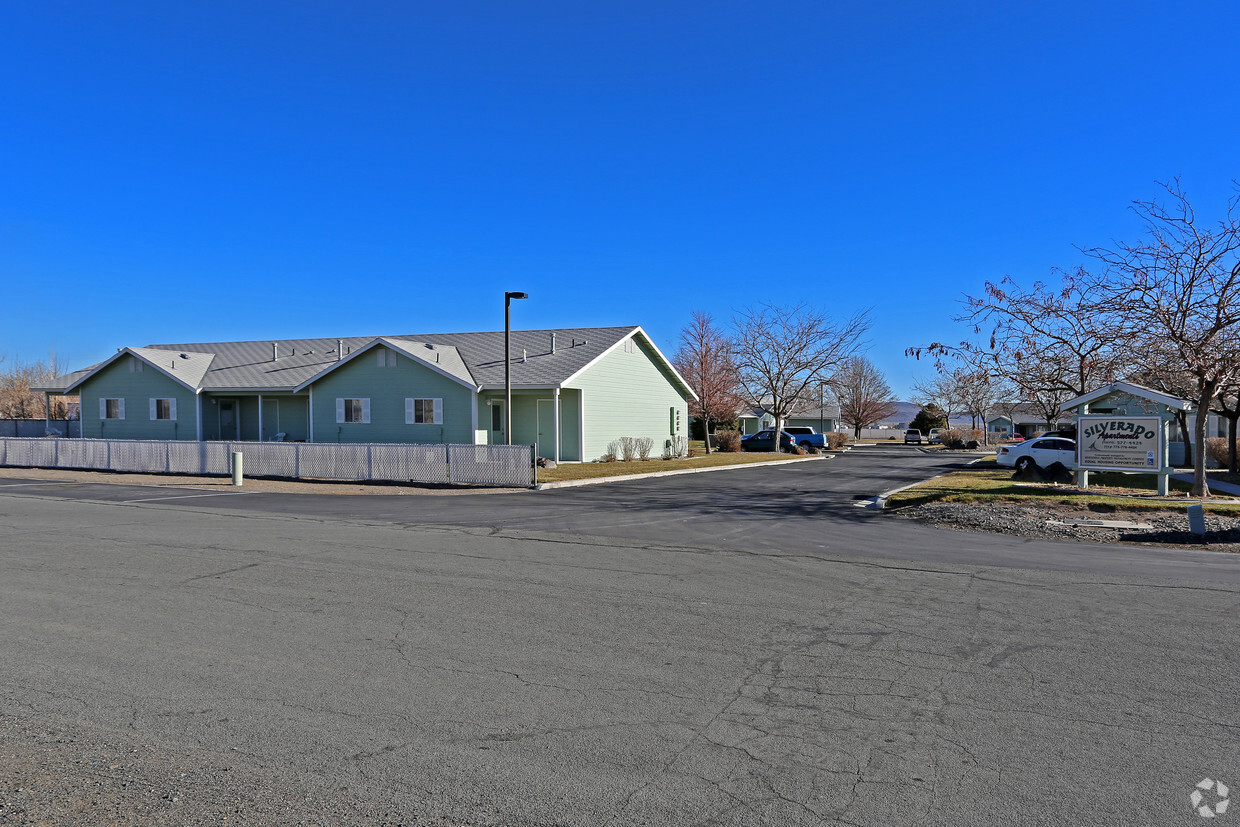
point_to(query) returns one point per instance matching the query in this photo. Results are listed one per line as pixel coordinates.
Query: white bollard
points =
(1196, 520)
(236, 467)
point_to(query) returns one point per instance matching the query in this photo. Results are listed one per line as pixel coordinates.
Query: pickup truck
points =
(806, 437)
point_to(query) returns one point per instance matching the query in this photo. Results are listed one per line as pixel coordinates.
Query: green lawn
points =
(589, 470)
(1121, 492)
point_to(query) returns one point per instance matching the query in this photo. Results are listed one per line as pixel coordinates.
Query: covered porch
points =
(550, 418)
(252, 417)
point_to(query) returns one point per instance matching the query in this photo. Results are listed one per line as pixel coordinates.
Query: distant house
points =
(822, 420)
(573, 390)
(1024, 419)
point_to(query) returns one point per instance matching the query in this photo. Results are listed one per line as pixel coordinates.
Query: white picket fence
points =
(499, 465)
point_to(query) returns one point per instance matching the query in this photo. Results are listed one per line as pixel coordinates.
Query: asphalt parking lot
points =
(744, 647)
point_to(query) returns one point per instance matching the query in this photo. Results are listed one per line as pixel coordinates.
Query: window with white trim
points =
(353, 410)
(111, 408)
(423, 411)
(164, 409)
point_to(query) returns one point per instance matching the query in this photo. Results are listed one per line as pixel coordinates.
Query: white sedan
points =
(1043, 452)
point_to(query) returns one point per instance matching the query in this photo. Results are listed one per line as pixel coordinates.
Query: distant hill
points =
(905, 411)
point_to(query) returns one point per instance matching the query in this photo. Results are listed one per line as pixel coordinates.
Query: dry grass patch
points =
(1118, 492)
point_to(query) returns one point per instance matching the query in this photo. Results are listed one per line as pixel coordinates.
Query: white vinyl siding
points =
(353, 410)
(163, 409)
(423, 411)
(111, 408)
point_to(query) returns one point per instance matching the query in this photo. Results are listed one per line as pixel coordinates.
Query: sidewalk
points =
(1214, 485)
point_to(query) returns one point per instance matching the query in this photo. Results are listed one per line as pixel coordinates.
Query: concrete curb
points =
(880, 502)
(545, 486)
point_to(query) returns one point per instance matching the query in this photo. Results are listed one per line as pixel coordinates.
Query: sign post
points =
(1123, 443)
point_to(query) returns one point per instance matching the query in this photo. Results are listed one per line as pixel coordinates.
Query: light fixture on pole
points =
(508, 297)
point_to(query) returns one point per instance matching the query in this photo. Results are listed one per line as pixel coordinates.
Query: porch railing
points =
(496, 465)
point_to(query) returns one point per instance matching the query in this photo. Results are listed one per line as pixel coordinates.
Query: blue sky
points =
(218, 171)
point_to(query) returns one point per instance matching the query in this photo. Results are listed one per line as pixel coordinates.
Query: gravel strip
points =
(1169, 527)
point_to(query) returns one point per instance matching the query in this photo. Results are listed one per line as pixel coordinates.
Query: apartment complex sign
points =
(1119, 443)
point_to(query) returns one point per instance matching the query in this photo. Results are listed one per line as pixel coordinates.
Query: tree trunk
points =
(779, 430)
(1231, 440)
(1181, 419)
(857, 432)
(1201, 426)
(706, 432)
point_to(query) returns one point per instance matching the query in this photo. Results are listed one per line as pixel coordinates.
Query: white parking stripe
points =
(191, 496)
(48, 482)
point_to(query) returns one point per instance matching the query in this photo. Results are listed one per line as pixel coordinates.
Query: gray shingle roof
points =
(475, 358)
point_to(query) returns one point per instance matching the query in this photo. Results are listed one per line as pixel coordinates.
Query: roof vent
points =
(184, 355)
(522, 354)
(275, 351)
(553, 343)
(339, 349)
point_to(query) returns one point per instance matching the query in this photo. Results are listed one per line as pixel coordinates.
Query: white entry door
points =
(546, 428)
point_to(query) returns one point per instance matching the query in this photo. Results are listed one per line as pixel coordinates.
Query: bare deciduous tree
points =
(781, 353)
(1051, 344)
(978, 392)
(19, 400)
(940, 391)
(704, 359)
(1178, 291)
(864, 395)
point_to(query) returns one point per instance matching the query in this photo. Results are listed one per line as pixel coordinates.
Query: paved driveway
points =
(739, 648)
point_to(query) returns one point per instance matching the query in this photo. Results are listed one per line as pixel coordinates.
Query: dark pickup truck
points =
(806, 437)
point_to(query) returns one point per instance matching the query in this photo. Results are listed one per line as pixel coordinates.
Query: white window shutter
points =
(172, 408)
(339, 411)
(366, 411)
(409, 415)
(438, 411)
(382, 356)
(120, 408)
(391, 358)
(154, 413)
(103, 408)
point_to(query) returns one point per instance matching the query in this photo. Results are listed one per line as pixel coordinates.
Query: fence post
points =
(447, 455)
(236, 467)
(534, 462)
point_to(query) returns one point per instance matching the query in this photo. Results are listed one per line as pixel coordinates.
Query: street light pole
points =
(508, 297)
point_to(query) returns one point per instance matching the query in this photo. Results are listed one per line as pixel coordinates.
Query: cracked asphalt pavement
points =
(739, 648)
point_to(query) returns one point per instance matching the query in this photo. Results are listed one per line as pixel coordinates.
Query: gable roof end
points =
(658, 353)
(453, 367)
(184, 368)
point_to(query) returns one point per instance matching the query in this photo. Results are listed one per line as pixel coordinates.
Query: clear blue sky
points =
(217, 171)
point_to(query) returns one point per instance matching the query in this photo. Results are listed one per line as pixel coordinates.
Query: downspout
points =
(260, 415)
(556, 420)
(198, 396)
(475, 417)
(310, 436)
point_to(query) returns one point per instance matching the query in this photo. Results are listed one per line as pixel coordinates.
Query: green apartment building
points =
(573, 391)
